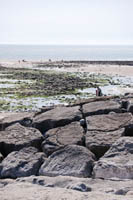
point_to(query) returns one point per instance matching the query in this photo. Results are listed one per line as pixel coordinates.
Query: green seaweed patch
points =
(4, 105)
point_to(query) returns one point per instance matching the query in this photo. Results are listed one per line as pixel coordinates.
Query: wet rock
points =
(66, 135)
(16, 137)
(25, 162)
(72, 160)
(101, 107)
(104, 130)
(60, 116)
(7, 119)
(117, 162)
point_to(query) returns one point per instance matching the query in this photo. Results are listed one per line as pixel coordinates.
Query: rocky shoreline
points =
(28, 86)
(50, 155)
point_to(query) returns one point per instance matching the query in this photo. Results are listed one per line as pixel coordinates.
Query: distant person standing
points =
(98, 92)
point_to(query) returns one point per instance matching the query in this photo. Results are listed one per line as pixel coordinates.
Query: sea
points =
(66, 52)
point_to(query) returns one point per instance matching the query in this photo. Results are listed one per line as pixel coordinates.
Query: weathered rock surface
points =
(66, 135)
(59, 116)
(17, 136)
(62, 187)
(117, 162)
(104, 130)
(72, 160)
(99, 141)
(25, 162)
(81, 184)
(7, 119)
(110, 122)
(101, 107)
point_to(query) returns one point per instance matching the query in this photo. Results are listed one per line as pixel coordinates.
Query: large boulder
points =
(25, 162)
(16, 137)
(99, 141)
(117, 162)
(101, 107)
(7, 119)
(110, 122)
(66, 135)
(59, 116)
(104, 130)
(72, 160)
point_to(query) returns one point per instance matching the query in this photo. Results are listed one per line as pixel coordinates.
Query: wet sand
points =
(123, 68)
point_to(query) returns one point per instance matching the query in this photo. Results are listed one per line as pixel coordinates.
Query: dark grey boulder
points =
(25, 162)
(117, 162)
(66, 135)
(99, 141)
(104, 130)
(59, 116)
(72, 160)
(101, 107)
(16, 137)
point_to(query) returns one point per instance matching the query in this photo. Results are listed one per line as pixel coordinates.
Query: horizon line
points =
(32, 44)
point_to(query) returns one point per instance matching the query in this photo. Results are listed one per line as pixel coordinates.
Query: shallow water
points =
(108, 90)
(5, 85)
(14, 80)
(117, 85)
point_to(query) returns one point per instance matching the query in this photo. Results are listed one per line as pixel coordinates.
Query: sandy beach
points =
(62, 66)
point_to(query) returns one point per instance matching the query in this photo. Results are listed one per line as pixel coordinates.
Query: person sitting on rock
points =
(98, 92)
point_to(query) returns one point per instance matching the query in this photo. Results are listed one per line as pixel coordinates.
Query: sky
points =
(77, 22)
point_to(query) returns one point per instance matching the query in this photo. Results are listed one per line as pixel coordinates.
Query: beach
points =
(108, 68)
(30, 85)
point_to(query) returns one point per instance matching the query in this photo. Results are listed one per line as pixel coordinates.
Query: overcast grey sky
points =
(66, 21)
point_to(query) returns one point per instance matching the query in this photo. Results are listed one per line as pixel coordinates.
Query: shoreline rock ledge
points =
(50, 155)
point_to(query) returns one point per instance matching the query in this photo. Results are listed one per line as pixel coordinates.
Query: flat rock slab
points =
(115, 186)
(16, 137)
(25, 162)
(72, 160)
(117, 162)
(66, 135)
(59, 116)
(7, 119)
(101, 107)
(110, 122)
(59, 188)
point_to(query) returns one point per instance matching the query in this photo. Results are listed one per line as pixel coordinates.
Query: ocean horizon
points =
(66, 52)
